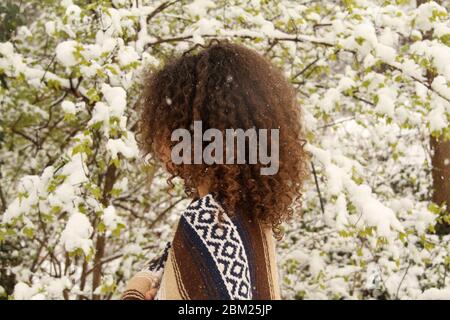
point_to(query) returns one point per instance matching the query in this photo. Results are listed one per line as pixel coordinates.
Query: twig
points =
(161, 8)
(403, 278)
(309, 65)
(336, 122)
(318, 188)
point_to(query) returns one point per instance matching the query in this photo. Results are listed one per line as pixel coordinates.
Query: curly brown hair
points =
(228, 86)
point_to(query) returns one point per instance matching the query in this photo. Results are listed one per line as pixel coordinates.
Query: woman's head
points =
(227, 86)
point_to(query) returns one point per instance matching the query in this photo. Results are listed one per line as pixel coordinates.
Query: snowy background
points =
(80, 212)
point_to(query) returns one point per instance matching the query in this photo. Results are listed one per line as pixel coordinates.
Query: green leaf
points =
(360, 40)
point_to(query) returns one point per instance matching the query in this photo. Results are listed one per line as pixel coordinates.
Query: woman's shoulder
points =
(205, 209)
(204, 206)
(206, 218)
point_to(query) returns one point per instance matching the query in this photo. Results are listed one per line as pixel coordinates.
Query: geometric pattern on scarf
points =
(222, 240)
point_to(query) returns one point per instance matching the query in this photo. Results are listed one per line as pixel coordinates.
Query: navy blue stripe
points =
(205, 289)
(191, 234)
(244, 235)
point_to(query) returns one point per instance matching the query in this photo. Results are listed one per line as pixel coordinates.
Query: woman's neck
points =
(203, 188)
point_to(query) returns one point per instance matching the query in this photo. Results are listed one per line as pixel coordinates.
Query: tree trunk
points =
(110, 179)
(440, 168)
(440, 156)
(440, 161)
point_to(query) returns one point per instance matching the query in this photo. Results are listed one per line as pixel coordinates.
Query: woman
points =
(223, 246)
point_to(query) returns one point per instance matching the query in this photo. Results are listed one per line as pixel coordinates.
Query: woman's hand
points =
(150, 294)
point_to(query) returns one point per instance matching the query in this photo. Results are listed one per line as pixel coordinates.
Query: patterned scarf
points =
(210, 259)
